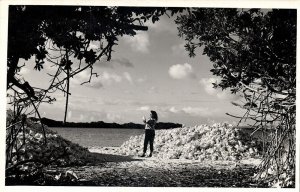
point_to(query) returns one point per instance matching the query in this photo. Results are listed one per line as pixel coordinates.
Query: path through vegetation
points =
(154, 172)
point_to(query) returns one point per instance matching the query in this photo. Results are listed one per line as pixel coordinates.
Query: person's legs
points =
(145, 144)
(151, 141)
(146, 140)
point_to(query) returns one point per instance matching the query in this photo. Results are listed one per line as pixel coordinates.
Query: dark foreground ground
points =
(108, 169)
(125, 171)
(170, 174)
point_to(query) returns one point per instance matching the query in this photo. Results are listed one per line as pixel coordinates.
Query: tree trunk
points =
(68, 87)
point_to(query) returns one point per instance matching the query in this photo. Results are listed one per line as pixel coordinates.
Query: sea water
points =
(97, 137)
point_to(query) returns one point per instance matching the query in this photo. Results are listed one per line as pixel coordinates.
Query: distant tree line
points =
(101, 124)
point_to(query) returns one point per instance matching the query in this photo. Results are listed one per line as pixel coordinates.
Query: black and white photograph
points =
(150, 96)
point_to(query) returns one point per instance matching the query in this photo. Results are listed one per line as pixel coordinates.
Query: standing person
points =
(149, 132)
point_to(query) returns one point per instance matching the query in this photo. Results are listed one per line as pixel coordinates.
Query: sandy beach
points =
(111, 169)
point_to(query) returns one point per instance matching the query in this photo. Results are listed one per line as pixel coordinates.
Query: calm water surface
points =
(104, 137)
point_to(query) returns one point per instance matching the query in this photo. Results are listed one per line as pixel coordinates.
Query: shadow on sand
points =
(100, 158)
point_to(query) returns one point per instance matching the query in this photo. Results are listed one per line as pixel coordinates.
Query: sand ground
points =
(111, 169)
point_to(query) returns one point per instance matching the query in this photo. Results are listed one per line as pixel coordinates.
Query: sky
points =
(150, 71)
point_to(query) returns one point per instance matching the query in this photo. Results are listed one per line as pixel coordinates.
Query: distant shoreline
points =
(101, 124)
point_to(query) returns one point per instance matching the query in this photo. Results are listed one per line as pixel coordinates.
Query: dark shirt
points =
(150, 124)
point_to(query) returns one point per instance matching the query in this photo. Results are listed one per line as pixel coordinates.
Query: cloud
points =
(179, 49)
(142, 79)
(123, 62)
(181, 71)
(165, 24)
(144, 108)
(197, 111)
(207, 84)
(127, 76)
(139, 43)
(69, 116)
(103, 79)
(83, 77)
(93, 115)
(174, 110)
(152, 90)
(24, 71)
(113, 117)
(82, 118)
(192, 111)
(105, 64)
(110, 77)
(118, 61)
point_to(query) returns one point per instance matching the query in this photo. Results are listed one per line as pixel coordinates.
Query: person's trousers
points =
(149, 138)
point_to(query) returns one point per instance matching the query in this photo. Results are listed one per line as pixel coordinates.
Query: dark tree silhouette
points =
(61, 36)
(254, 53)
